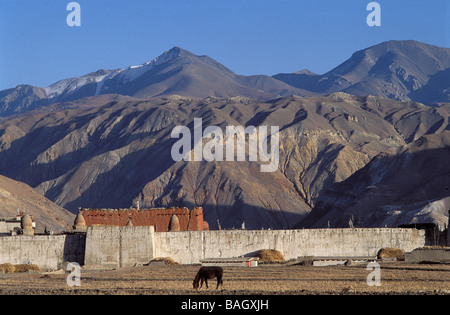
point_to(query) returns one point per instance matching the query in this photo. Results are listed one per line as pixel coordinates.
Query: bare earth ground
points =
(396, 278)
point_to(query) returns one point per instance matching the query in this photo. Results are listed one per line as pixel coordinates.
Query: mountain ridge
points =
(118, 152)
(392, 69)
(400, 70)
(176, 71)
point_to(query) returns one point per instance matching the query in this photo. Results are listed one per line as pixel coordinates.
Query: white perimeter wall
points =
(113, 247)
(49, 252)
(118, 246)
(191, 246)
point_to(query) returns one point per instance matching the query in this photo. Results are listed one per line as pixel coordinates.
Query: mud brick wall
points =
(190, 220)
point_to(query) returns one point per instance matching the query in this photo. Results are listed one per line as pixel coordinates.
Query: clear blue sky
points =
(248, 36)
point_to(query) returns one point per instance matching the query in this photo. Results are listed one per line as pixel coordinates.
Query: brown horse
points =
(206, 273)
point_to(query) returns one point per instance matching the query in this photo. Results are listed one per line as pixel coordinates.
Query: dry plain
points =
(396, 278)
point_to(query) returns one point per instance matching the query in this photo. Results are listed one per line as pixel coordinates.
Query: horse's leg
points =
(218, 282)
(201, 282)
(206, 282)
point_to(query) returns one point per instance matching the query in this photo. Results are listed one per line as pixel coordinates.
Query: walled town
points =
(112, 240)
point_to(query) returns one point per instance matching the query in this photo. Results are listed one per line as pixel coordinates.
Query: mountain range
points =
(176, 71)
(401, 70)
(103, 139)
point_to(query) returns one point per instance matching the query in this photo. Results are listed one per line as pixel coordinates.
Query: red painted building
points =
(180, 219)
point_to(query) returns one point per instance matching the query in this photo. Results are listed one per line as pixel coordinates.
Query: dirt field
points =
(396, 278)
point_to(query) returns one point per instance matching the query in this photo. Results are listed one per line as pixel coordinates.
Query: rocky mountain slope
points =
(401, 186)
(112, 154)
(16, 196)
(401, 70)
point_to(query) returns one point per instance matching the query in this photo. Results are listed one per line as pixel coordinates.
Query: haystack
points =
(391, 252)
(162, 261)
(26, 267)
(269, 255)
(7, 268)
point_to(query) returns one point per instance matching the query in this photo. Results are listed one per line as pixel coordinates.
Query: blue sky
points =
(248, 36)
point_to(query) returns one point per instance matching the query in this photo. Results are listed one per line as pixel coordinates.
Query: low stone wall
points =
(189, 247)
(429, 255)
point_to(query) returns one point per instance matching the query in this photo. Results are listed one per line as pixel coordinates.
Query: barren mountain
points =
(16, 196)
(176, 71)
(104, 139)
(401, 186)
(401, 70)
(111, 154)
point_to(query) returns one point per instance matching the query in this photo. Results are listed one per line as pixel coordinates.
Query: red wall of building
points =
(190, 220)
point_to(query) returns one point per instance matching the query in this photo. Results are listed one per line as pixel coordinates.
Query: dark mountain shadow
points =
(436, 90)
(117, 187)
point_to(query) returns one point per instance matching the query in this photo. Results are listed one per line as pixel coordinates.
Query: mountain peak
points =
(305, 71)
(174, 53)
(405, 70)
(177, 51)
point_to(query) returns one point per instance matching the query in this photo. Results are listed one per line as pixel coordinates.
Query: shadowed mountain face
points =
(100, 153)
(400, 70)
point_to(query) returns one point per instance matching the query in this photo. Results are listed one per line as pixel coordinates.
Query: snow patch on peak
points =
(133, 72)
(72, 84)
